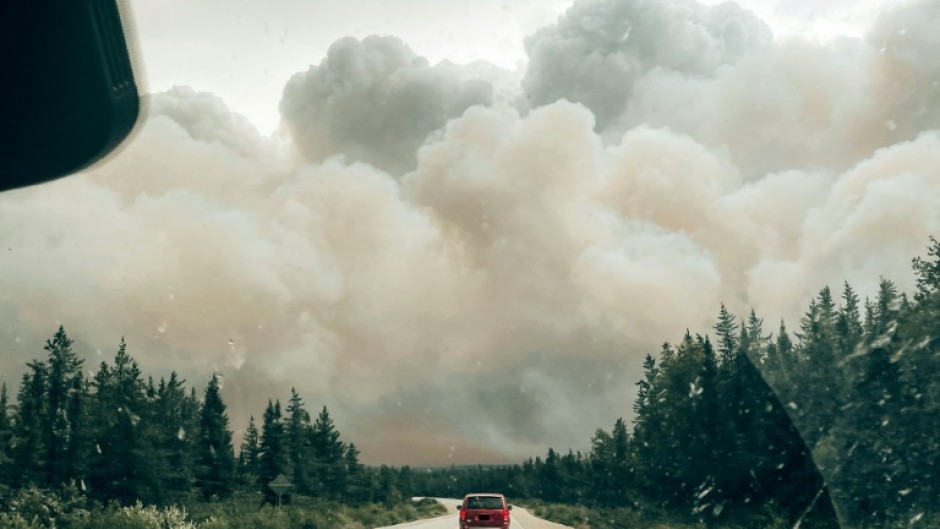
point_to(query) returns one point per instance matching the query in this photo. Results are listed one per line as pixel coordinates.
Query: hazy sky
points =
(244, 51)
(462, 226)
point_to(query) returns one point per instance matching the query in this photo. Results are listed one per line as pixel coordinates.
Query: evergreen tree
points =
(358, 487)
(273, 457)
(177, 417)
(118, 469)
(927, 272)
(725, 330)
(64, 392)
(249, 454)
(6, 437)
(29, 451)
(849, 325)
(387, 492)
(298, 443)
(216, 455)
(328, 452)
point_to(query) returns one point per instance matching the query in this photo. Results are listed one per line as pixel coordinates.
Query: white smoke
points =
(489, 264)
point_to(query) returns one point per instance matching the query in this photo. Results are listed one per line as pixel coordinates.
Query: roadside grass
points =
(242, 511)
(585, 517)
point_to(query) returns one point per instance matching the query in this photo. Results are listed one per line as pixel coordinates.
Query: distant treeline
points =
(857, 389)
(120, 437)
(856, 393)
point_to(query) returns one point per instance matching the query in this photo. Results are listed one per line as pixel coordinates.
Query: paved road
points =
(519, 519)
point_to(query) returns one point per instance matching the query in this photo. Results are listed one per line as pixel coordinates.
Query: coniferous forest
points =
(748, 425)
(756, 424)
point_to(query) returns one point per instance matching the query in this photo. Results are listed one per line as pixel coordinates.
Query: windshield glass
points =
(670, 260)
(484, 502)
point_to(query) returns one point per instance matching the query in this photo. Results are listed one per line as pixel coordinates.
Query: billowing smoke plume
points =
(487, 282)
(375, 101)
(600, 49)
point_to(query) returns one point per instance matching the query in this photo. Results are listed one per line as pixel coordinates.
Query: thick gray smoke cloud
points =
(488, 282)
(600, 49)
(375, 101)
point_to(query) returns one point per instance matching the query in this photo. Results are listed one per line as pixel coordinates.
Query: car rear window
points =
(484, 502)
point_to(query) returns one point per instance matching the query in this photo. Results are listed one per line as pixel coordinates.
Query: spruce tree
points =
(119, 469)
(249, 454)
(328, 451)
(29, 450)
(216, 454)
(298, 443)
(725, 330)
(274, 459)
(6, 437)
(64, 391)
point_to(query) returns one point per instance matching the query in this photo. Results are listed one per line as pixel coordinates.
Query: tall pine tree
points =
(216, 454)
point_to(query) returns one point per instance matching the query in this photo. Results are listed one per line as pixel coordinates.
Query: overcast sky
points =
(461, 226)
(244, 51)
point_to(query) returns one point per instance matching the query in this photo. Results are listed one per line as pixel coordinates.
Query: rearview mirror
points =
(509, 507)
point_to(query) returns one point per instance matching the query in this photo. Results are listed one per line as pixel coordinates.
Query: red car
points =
(484, 510)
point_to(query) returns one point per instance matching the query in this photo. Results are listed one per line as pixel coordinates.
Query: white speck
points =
(792, 405)
(904, 492)
(891, 124)
(916, 518)
(161, 328)
(181, 434)
(626, 34)
(98, 447)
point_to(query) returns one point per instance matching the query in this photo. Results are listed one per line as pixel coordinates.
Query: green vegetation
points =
(582, 517)
(852, 417)
(30, 509)
(119, 437)
(856, 393)
(145, 449)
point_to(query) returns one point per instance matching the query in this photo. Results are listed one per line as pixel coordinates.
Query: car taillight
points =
(505, 514)
(463, 514)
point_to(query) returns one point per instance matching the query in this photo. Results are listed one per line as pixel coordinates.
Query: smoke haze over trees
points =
(711, 440)
(728, 426)
(116, 435)
(647, 162)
